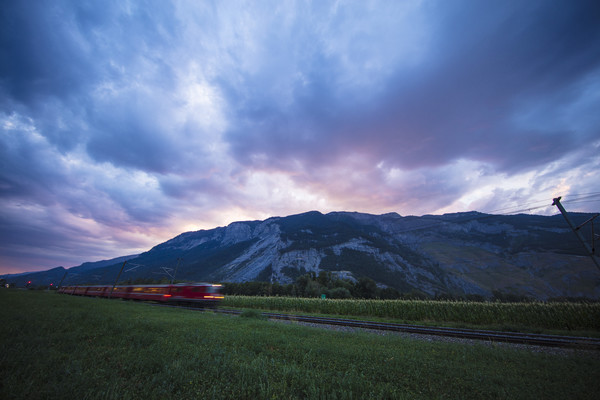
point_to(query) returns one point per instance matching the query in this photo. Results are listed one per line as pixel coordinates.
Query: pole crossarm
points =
(589, 220)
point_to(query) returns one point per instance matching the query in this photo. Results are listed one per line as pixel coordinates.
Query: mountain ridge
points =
(458, 253)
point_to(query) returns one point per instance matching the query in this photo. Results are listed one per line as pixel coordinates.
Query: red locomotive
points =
(199, 294)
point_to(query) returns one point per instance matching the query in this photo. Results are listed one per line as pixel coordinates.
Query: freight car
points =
(197, 294)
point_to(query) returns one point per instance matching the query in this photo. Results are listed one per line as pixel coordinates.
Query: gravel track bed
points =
(448, 339)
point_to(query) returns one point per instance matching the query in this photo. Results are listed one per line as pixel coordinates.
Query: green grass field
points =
(59, 346)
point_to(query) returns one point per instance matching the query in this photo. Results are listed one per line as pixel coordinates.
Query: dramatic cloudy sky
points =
(125, 123)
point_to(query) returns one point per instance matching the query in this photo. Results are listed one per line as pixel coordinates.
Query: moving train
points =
(197, 294)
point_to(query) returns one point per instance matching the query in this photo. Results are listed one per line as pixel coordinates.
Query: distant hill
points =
(55, 275)
(458, 254)
(88, 266)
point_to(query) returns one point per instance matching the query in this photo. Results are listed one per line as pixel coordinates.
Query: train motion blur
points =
(195, 294)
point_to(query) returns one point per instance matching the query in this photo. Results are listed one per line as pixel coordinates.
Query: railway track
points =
(574, 342)
(484, 335)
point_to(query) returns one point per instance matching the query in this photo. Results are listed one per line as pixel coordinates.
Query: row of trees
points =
(313, 285)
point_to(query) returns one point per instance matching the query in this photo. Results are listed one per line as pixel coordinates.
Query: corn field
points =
(567, 316)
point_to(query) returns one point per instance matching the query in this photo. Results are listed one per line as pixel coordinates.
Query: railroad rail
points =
(534, 339)
(485, 335)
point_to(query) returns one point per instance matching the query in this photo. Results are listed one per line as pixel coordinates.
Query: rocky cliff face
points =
(466, 253)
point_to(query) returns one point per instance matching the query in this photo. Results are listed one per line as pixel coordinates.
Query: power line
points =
(525, 206)
(532, 205)
(522, 208)
(587, 194)
(581, 201)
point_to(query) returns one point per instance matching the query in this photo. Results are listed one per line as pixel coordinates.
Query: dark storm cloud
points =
(56, 47)
(28, 169)
(127, 133)
(492, 62)
(40, 57)
(55, 54)
(486, 63)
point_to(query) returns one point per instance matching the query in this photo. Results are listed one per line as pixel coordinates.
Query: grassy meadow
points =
(59, 346)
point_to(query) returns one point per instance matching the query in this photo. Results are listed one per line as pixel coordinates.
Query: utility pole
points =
(179, 259)
(63, 278)
(590, 251)
(117, 280)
